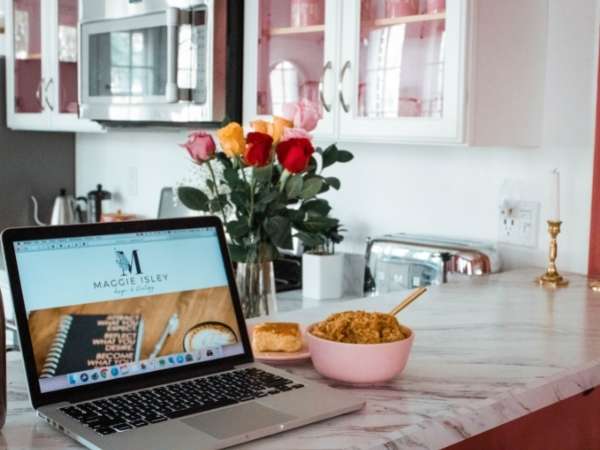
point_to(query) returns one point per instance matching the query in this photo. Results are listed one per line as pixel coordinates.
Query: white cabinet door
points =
(402, 76)
(290, 53)
(60, 93)
(41, 54)
(26, 64)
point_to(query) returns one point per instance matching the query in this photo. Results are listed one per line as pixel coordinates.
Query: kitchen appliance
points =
(169, 206)
(65, 210)
(94, 202)
(158, 60)
(403, 261)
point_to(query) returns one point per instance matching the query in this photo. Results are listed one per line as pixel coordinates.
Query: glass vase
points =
(256, 287)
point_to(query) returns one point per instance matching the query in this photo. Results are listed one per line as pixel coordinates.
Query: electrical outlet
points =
(518, 225)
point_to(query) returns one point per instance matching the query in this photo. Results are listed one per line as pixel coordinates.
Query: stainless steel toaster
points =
(401, 261)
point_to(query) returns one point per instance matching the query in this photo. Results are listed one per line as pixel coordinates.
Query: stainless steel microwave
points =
(154, 60)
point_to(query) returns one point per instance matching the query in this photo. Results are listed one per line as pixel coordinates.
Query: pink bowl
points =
(359, 363)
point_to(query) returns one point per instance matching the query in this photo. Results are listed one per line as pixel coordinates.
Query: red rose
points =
(294, 154)
(258, 149)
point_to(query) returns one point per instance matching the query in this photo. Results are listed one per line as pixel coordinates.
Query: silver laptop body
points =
(139, 313)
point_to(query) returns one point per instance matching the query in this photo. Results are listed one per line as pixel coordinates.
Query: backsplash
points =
(42, 162)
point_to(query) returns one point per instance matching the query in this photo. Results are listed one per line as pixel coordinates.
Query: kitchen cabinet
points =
(290, 56)
(41, 65)
(402, 71)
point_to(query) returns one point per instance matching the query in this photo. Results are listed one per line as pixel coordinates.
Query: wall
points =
(440, 190)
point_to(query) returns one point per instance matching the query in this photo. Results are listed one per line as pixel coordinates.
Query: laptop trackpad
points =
(229, 422)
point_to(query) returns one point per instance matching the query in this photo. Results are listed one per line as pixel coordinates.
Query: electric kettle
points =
(65, 211)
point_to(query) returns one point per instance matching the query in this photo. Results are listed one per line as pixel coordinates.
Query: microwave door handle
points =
(172, 28)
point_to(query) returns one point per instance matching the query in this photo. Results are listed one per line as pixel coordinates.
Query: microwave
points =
(159, 61)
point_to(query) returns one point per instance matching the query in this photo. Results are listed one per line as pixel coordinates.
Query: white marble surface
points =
(486, 352)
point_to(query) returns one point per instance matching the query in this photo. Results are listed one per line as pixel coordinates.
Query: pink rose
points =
(200, 145)
(305, 114)
(295, 133)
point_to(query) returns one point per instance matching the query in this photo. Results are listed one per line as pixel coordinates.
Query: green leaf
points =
(309, 240)
(237, 228)
(238, 253)
(263, 174)
(344, 156)
(312, 187)
(193, 198)
(265, 198)
(279, 231)
(319, 150)
(294, 186)
(231, 177)
(240, 200)
(312, 165)
(215, 205)
(329, 156)
(320, 224)
(318, 206)
(223, 159)
(334, 182)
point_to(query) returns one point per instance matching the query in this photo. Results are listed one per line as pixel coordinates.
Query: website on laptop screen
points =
(112, 306)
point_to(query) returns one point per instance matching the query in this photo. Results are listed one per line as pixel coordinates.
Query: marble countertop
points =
(486, 352)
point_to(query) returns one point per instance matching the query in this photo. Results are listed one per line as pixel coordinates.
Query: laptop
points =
(133, 338)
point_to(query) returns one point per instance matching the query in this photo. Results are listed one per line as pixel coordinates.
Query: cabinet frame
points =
(49, 119)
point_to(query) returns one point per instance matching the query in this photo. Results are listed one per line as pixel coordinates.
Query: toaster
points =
(402, 261)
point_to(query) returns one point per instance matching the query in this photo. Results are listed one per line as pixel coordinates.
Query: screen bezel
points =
(115, 386)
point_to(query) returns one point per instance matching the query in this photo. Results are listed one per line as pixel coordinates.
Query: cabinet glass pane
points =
(28, 55)
(67, 56)
(401, 59)
(129, 63)
(290, 52)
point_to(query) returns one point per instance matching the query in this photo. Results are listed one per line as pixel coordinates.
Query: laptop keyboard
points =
(141, 408)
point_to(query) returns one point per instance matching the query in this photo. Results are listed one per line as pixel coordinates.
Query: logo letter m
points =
(129, 266)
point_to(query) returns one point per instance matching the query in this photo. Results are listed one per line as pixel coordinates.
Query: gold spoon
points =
(408, 300)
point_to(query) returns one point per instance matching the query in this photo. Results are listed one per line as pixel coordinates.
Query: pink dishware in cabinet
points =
(400, 8)
(306, 13)
(436, 6)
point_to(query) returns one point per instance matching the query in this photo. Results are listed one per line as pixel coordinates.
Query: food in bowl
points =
(359, 347)
(277, 337)
(359, 327)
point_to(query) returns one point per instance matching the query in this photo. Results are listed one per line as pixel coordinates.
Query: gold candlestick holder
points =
(552, 278)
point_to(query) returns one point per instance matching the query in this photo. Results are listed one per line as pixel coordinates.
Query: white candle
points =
(555, 197)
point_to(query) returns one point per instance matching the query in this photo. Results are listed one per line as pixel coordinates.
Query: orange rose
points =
(279, 126)
(274, 129)
(231, 138)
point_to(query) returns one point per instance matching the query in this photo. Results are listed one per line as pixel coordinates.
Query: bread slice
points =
(277, 337)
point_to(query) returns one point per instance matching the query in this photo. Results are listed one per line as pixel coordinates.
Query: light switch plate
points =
(519, 224)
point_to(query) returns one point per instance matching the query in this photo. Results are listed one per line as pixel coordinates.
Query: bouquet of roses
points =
(265, 184)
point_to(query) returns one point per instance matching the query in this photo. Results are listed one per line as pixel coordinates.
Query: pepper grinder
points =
(94, 204)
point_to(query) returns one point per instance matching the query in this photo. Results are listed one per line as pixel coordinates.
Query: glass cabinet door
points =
(67, 56)
(27, 55)
(294, 57)
(403, 70)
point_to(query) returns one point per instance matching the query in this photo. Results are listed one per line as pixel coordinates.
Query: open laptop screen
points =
(111, 306)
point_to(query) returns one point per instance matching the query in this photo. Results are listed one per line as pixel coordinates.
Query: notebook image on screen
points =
(86, 341)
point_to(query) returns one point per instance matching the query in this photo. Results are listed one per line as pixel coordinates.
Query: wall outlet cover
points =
(519, 225)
